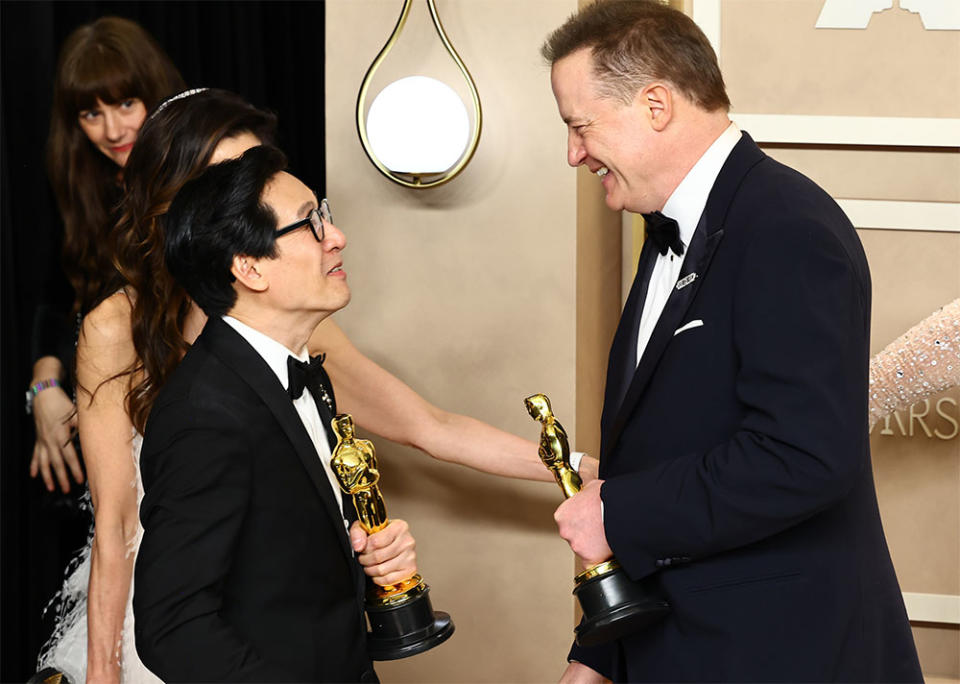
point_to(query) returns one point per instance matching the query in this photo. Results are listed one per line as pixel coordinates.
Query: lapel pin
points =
(686, 280)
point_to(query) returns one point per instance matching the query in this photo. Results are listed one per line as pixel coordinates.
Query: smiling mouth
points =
(602, 171)
(336, 269)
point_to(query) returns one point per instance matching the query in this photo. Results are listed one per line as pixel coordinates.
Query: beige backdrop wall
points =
(468, 293)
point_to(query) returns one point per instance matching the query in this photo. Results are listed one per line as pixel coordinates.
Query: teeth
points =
(603, 171)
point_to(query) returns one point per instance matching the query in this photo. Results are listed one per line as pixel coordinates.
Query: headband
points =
(174, 98)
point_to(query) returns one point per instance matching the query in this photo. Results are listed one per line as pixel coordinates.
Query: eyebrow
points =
(306, 207)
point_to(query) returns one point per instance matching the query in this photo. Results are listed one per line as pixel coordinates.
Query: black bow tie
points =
(310, 375)
(664, 232)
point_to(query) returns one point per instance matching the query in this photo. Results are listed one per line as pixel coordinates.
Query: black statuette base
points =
(49, 675)
(615, 606)
(407, 629)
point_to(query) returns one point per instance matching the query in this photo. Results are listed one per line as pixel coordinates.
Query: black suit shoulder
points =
(779, 215)
(771, 191)
(203, 381)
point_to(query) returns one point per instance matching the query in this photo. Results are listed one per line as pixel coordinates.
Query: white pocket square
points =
(692, 324)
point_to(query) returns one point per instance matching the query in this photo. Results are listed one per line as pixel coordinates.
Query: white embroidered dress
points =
(66, 649)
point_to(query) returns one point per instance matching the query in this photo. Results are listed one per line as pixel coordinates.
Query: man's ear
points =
(656, 102)
(247, 270)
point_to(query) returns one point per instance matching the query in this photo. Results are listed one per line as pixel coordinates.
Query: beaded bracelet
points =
(36, 388)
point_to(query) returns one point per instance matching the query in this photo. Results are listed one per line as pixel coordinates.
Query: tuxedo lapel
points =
(237, 354)
(623, 350)
(321, 390)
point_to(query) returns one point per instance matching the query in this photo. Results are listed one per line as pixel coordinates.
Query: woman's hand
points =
(55, 419)
(589, 469)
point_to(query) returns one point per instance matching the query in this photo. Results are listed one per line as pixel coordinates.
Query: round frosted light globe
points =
(418, 125)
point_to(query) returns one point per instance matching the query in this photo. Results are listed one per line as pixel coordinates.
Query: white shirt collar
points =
(273, 352)
(688, 200)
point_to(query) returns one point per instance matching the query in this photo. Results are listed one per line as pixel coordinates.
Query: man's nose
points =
(575, 152)
(333, 237)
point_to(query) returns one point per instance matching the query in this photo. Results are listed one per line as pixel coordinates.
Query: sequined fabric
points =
(923, 361)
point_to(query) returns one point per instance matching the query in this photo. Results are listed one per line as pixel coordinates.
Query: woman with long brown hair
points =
(110, 73)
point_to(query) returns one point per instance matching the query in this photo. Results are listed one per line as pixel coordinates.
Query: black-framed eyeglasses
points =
(315, 219)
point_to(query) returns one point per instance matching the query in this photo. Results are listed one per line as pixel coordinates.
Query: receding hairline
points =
(600, 79)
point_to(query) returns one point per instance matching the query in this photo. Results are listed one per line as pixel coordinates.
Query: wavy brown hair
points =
(113, 60)
(174, 146)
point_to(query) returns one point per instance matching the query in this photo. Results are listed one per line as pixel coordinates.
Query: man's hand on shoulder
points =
(580, 521)
(388, 556)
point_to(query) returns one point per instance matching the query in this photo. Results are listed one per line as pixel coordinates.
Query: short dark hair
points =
(635, 42)
(216, 216)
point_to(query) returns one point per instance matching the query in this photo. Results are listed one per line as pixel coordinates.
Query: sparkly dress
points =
(923, 361)
(66, 649)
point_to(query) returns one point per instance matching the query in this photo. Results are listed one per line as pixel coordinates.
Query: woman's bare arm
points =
(384, 405)
(105, 348)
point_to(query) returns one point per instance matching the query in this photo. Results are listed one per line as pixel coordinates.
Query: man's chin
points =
(614, 202)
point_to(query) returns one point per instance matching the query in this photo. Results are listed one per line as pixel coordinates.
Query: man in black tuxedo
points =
(735, 474)
(246, 571)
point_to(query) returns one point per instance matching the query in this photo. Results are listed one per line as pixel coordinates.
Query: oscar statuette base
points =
(613, 604)
(404, 625)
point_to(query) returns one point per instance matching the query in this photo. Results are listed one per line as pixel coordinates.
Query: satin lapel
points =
(623, 350)
(326, 415)
(744, 156)
(237, 354)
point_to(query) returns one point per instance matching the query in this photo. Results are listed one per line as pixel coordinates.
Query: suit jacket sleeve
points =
(800, 321)
(196, 473)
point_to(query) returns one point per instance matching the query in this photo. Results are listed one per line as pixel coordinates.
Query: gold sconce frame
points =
(411, 180)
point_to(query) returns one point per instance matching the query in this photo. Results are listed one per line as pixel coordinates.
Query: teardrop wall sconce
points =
(417, 132)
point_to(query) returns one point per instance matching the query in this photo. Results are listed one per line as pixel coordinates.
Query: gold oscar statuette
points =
(402, 620)
(613, 604)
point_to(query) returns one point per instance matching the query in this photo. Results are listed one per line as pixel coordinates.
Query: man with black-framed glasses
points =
(247, 570)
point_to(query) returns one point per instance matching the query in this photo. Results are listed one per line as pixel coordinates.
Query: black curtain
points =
(271, 53)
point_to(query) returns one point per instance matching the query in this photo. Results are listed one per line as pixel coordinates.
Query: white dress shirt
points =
(685, 206)
(275, 354)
